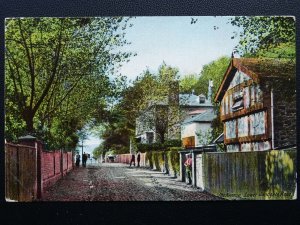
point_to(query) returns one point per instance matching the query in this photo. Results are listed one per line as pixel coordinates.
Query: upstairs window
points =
(201, 99)
(238, 101)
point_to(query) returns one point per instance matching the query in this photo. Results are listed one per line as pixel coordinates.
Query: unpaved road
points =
(119, 182)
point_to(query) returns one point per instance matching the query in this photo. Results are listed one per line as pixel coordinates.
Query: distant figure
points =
(132, 160)
(138, 159)
(84, 158)
(188, 167)
(77, 160)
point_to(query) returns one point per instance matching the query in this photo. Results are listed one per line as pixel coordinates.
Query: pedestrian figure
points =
(77, 160)
(84, 158)
(132, 160)
(138, 158)
(188, 168)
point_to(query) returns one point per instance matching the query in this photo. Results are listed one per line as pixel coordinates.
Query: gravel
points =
(119, 182)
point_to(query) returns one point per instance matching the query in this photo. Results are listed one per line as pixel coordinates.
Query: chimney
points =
(209, 93)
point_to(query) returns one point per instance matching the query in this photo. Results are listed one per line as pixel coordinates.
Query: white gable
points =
(238, 78)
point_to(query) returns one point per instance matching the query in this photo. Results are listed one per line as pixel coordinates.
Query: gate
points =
(20, 172)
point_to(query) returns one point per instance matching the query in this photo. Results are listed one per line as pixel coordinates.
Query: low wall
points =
(156, 161)
(126, 158)
(55, 164)
(251, 175)
(29, 169)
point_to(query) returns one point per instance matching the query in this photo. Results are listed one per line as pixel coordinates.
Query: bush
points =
(158, 146)
(149, 158)
(173, 159)
(173, 143)
(158, 159)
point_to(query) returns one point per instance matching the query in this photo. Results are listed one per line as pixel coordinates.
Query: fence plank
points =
(251, 175)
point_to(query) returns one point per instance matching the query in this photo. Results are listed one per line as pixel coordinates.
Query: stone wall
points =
(284, 119)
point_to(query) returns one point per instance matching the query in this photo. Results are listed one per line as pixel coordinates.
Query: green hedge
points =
(173, 159)
(149, 158)
(156, 159)
(158, 146)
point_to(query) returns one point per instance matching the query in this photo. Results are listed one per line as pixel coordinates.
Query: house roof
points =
(184, 100)
(258, 69)
(219, 139)
(207, 116)
(197, 111)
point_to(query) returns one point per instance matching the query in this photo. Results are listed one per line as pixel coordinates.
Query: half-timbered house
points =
(257, 99)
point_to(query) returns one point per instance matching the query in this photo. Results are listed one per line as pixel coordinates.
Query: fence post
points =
(61, 163)
(194, 168)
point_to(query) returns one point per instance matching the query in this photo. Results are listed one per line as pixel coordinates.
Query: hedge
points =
(173, 159)
(156, 159)
(158, 146)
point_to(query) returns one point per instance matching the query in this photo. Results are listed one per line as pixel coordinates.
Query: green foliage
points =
(173, 143)
(98, 151)
(158, 146)
(188, 83)
(57, 71)
(158, 160)
(214, 71)
(149, 158)
(173, 159)
(272, 36)
(204, 138)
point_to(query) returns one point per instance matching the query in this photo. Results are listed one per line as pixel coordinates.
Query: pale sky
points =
(177, 42)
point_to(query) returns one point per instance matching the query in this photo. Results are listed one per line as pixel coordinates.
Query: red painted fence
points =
(29, 170)
(126, 158)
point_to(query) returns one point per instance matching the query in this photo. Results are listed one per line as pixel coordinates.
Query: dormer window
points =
(201, 99)
(238, 101)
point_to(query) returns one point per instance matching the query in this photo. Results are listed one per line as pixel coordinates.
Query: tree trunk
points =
(28, 117)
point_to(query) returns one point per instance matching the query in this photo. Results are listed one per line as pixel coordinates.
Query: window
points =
(232, 148)
(238, 101)
(202, 99)
(257, 123)
(230, 129)
(243, 126)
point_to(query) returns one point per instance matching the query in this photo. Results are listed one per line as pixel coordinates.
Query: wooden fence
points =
(251, 175)
(20, 172)
(29, 170)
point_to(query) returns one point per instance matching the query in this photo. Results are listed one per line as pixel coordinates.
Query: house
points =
(257, 99)
(196, 130)
(162, 119)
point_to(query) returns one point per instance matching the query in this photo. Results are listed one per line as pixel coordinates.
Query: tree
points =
(188, 83)
(57, 69)
(266, 34)
(214, 71)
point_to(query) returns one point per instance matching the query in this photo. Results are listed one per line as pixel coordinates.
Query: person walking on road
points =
(77, 160)
(132, 160)
(84, 158)
(138, 159)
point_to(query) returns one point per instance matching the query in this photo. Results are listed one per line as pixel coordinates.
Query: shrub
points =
(149, 158)
(173, 143)
(173, 159)
(155, 160)
(158, 146)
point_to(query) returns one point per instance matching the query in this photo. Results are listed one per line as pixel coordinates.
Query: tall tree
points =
(188, 83)
(212, 71)
(266, 35)
(58, 68)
